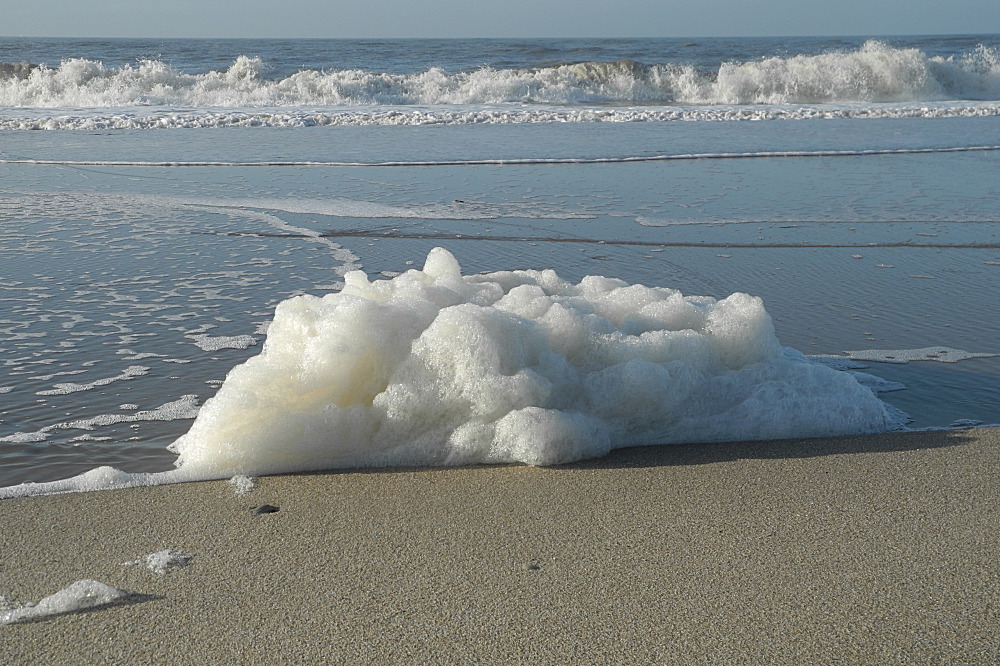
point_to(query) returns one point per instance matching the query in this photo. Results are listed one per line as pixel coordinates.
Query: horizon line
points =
(591, 37)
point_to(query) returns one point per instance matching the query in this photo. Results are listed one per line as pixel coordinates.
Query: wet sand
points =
(879, 550)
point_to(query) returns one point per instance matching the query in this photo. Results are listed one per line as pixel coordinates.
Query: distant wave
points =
(874, 73)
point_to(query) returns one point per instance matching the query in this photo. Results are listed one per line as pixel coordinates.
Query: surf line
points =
(520, 161)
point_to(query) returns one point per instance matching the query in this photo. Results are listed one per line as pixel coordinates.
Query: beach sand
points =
(880, 550)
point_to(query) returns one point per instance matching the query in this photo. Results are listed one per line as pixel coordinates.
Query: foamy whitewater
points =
(436, 368)
(845, 82)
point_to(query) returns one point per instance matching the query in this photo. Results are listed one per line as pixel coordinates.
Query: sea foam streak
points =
(436, 368)
(395, 116)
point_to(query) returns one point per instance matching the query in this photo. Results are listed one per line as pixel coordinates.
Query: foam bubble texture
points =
(433, 367)
(164, 561)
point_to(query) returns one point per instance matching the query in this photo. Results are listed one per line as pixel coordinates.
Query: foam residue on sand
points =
(164, 561)
(81, 595)
(242, 484)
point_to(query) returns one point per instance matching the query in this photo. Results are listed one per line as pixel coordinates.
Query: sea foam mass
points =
(433, 367)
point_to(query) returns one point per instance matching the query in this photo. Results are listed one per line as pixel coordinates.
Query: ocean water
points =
(160, 199)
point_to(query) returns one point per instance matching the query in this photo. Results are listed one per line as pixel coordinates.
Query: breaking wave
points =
(874, 73)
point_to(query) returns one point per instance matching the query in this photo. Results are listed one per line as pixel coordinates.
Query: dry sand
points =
(880, 550)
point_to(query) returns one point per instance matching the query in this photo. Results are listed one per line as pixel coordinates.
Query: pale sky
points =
(494, 18)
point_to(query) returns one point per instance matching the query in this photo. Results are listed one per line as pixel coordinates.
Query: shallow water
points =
(127, 288)
(189, 186)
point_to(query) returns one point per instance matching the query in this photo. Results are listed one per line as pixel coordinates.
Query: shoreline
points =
(879, 549)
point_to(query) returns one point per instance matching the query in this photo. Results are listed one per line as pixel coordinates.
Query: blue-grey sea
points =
(159, 198)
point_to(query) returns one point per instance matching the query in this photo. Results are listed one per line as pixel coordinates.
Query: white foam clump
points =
(242, 484)
(81, 595)
(433, 367)
(163, 561)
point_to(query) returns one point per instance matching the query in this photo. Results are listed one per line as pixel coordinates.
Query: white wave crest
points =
(876, 72)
